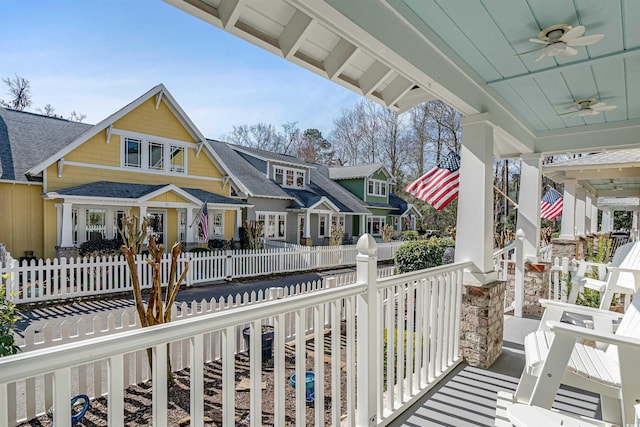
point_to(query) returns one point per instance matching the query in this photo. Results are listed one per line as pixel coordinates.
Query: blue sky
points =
(96, 56)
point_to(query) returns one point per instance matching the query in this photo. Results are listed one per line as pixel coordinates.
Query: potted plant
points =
(266, 341)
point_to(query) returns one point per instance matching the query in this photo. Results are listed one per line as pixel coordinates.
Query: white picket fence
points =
(373, 316)
(43, 280)
(91, 378)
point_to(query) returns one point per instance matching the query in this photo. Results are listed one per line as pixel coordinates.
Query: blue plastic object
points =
(75, 418)
(309, 379)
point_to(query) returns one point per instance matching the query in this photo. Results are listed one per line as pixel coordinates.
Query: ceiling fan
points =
(589, 107)
(560, 39)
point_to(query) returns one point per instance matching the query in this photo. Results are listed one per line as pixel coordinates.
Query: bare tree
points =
(264, 136)
(76, 117)
(49, 111)
(20, 92)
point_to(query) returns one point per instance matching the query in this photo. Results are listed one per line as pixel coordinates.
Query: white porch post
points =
(399, 224)
(588, 211)
(190, 227)
(363, 224)
(474, 241)
(307, 225)
(607, 221)
(581, 211)
(567, 227)
(143, 213)
(529, 203)
(66, 234)
(594, 216)
(634, 221)
(236, 230)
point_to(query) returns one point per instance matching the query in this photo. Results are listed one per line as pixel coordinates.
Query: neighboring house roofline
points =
(250, 152)
(326, 201)
(161, 92)
(359, 171)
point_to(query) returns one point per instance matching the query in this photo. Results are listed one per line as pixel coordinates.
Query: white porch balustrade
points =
(406, 340)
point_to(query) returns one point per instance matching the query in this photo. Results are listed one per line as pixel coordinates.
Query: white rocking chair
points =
(558, 355)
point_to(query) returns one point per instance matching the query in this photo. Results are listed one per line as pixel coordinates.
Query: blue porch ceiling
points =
(487, 34)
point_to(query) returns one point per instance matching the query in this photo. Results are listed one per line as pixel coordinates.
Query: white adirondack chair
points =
(557, 355)
(622, 275)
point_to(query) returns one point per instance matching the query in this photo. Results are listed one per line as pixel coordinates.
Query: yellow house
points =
(63, 183)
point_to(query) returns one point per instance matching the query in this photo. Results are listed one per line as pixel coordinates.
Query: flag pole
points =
(515, 205)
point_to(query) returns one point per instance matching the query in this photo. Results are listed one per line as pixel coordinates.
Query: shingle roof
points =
(245, 173)
(351, 172)
(27, 139)
(284, 158)
(629, 155)
(123, 190)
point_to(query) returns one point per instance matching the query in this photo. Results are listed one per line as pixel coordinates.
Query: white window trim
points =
(145, 142)
(371, 219)
(327, 226)
(295, 173)
(277, 219)
(110, 219)
(212, 227)
(381, 184)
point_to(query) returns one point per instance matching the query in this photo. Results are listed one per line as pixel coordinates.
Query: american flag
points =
(439, 186)
(203, 220)
(551, 205)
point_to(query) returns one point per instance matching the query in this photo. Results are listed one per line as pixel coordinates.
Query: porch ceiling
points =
(400, 53)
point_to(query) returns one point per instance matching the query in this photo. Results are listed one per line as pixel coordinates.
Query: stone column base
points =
(536, 286)
(482, 323)
(67, 252)
(570, 248)
(306, 241)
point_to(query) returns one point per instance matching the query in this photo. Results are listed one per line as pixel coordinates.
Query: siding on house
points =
(21, 218)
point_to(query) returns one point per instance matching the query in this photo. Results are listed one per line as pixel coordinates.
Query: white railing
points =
(418, 313)
(559, 279)
(510, 260)
(545, 253)
(42, 280)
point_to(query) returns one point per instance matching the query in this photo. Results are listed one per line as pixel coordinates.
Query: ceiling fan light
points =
(555, 48)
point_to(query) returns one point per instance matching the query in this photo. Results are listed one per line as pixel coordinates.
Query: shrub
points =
(102, 247)
(410, 235)
(421, 254)
(199, 250)
(220, 244)
(8, 318)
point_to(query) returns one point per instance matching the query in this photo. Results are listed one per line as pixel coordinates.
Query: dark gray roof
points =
(250, 172)
(26, 139)
(351, 172)
(242, 170)
(399, 204)
(123, 190)
(380, 206)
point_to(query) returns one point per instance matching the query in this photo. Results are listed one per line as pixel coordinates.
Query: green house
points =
(373, 184)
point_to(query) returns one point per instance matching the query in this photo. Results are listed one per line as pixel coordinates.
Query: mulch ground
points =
(138, 398)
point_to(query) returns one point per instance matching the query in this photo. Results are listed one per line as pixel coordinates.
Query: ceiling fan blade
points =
(539, 58)
(569, 52)
(535, 40)
(529, 51)
(568, 112)
(605, 108)
(573, 33)
(598, 105)
(586, 40)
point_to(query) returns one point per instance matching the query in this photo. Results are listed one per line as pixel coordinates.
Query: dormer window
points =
(377, 188)
(289, 177)
(153, 156)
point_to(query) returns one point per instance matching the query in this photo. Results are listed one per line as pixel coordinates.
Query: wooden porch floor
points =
(467, 396)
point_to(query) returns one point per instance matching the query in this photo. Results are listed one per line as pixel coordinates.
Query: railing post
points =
(63, 277)
(188, 258)
(367, 334)
(329, 282)
(519, 278)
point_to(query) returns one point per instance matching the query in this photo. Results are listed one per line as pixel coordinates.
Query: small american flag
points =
(551, 205)
(203, 220)
(439, 186)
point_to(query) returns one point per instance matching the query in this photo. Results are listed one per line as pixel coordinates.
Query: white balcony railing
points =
(417, 315)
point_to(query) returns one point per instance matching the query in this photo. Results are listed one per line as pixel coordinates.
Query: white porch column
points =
(594, 216)
(363, 224)
(236, 230)
(588, 211)
(634, 220)
(143, 213)
(567, 227)
(190, 226)
(529, 203)
(474, 234)
(307, 225)
(66, 234)
(581, 212)
(399, 224)
(607, 221)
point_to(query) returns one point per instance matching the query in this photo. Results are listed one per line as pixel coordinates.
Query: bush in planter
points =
(420, 254)
(410, 235)
(220, 244)
(102, 247)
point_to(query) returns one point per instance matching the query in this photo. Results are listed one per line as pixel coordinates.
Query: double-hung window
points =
(133, 153)
(275, 224)
(375, 223)
(294, 178)
(377, 187)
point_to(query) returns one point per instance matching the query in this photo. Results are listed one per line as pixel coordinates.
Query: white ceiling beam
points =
(373, 77)
(293, 34)
(396, 90)
(229, 11)
(610, 173)
(339, 57)
(414, 97)
(590, 138)
(619, 193)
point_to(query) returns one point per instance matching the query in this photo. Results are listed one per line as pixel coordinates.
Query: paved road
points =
(69, 310)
